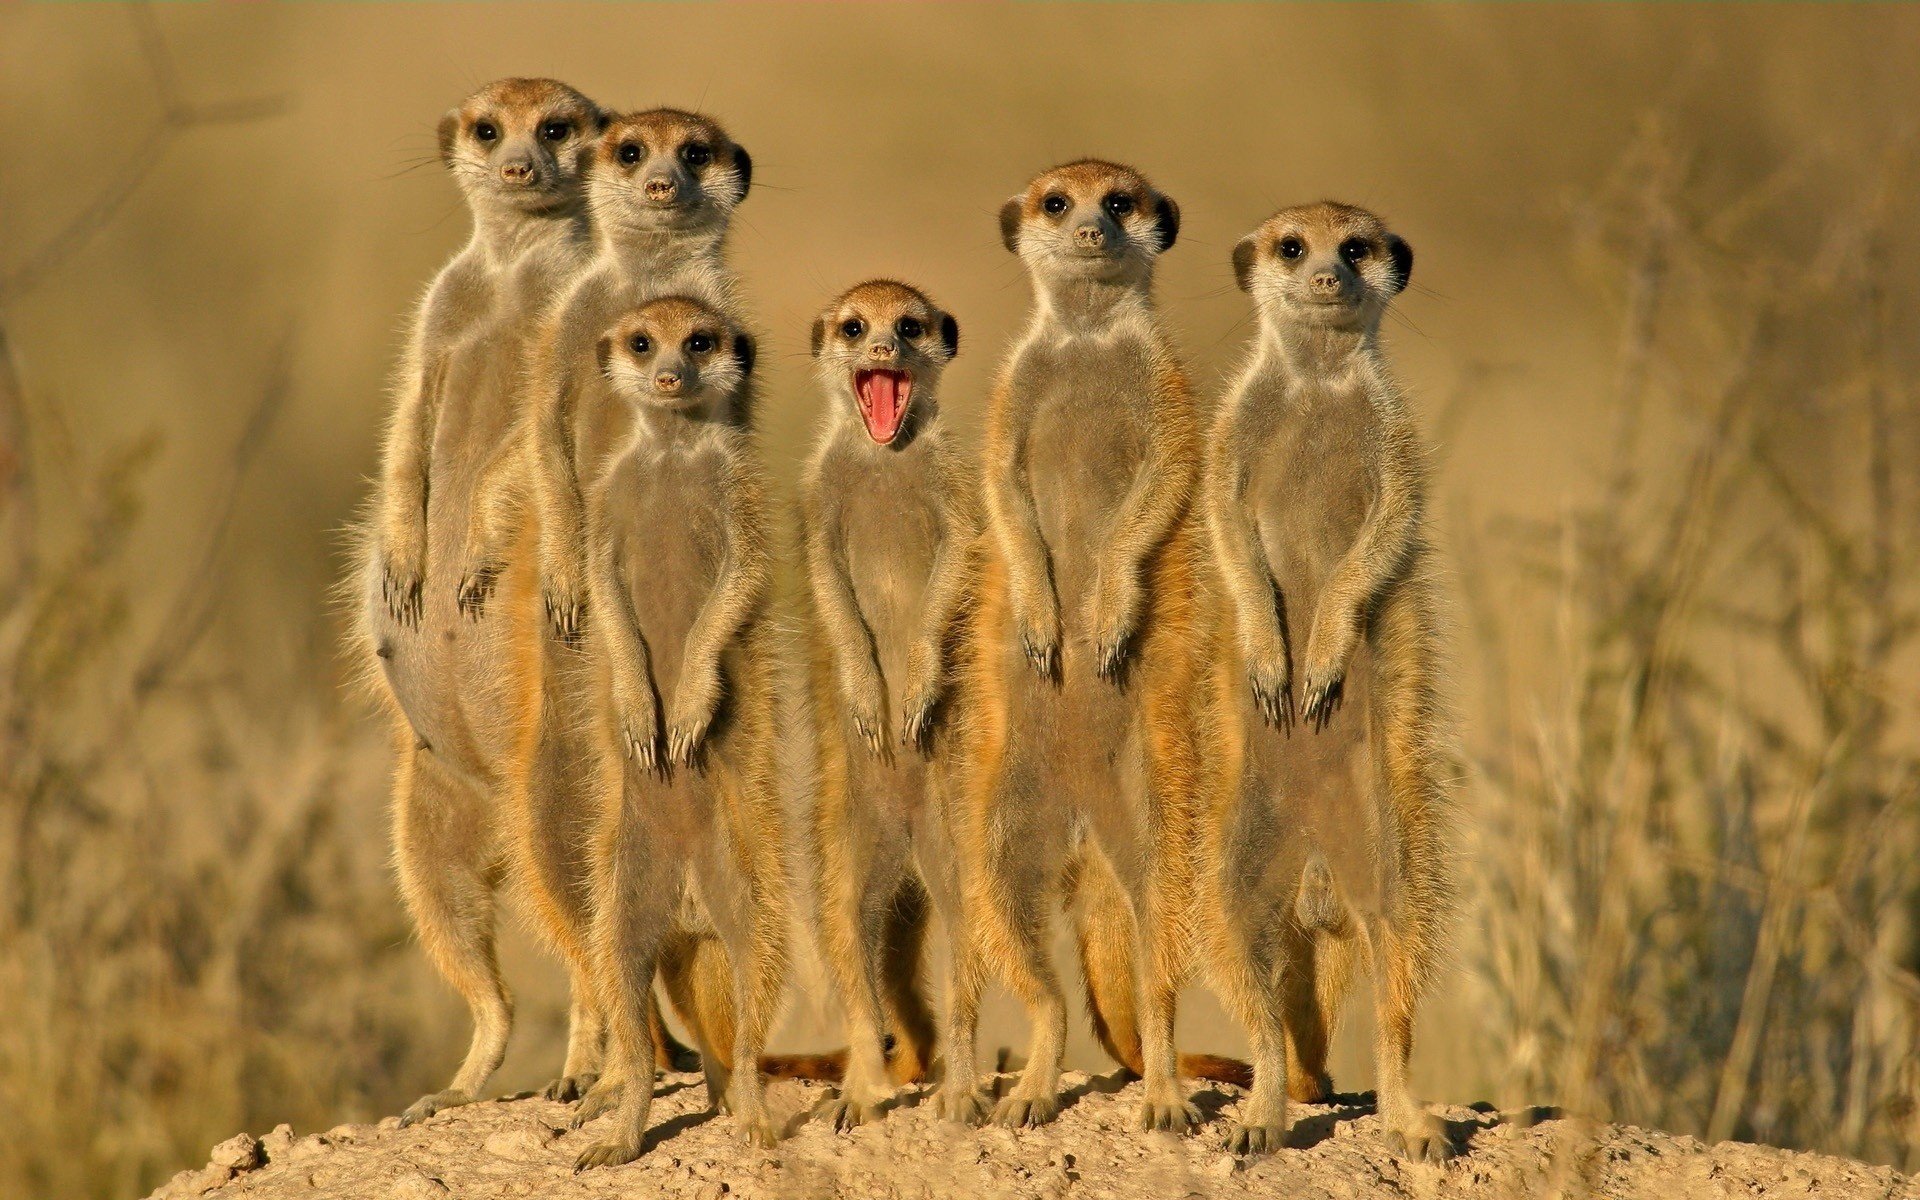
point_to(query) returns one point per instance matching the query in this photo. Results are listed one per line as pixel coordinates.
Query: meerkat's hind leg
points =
(856, 919)
(751, 951)
(445, 855)
(959, 1097)
(1017, 914)
(1253, 973)
(1411, 1130)
(586, 1036)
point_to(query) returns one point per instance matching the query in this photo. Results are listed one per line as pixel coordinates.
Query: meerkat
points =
(461, 689)
(689, 864)
(1330, 835)
(889, 521)
(1083, 665)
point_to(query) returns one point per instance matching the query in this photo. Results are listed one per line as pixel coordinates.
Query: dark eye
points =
(1355, 249)
(629, 152)
(485, 131)
(556, 131)
(697, 154)
(852, 328)
(699, 343)
(1055, 204)
(1292, 247)
(1119, 204)
(909, 328)
(639, 344)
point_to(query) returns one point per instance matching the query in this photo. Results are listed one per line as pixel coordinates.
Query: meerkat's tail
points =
(829, 1067)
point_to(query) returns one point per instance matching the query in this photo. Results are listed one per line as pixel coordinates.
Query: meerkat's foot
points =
(758, 1130)
(1018, 1110)
(1247, 1138)
(1170, 1112)
(966, 1105)
(606, 1154)
(569, 1088)
(852, 1108)
(426, 1106)
(599, 1099)
(1423, 1138)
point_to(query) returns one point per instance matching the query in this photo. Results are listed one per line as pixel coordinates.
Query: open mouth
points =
(883, 397)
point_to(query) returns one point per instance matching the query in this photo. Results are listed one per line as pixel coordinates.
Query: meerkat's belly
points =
(891, 537)
(1317, 787)
(669, 533)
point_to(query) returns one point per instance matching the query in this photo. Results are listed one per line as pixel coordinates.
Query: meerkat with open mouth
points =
(889, 522)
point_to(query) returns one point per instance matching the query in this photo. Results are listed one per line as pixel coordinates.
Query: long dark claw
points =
(477, 588)
(402, 596)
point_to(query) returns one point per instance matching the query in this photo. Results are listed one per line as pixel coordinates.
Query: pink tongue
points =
(882, 394)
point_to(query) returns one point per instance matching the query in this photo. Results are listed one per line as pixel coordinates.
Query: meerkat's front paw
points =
(849, 1111)
(1423, 1139)
(426, 1106)
(1270, 679)
(1112, 618)
(923, 695)
(965, 1104)
(569, 1088)
(402, 586)
(1325, 688)
(864, 710)
(476, 588)
(607, 1154)
(640, 732)
(1039, 627)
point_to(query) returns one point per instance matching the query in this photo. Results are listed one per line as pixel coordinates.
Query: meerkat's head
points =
(1326, 265)
(521, 144)
(679, 355)
(666, 170)
(878, 346)
(1090, 220)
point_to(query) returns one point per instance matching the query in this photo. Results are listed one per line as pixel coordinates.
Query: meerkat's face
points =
(676, 355)
(520, 143)
(1090, 220)
(1328, 265)
(666, 170)
(877, 346)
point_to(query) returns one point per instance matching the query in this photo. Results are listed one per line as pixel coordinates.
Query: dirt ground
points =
(522, 1147)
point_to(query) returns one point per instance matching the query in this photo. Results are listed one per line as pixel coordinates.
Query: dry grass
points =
(1700, 845)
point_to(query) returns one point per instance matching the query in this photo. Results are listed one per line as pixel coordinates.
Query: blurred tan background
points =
(1662, 333)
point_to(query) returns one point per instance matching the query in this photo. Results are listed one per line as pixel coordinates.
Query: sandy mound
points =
(521, 1148)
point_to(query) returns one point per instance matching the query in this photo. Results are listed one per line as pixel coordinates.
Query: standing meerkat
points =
(1331, 831)
(889, 523)
(462, 689)
(690, 869)
(1083, 669)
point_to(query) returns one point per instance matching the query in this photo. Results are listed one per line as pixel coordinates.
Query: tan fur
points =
(689, 866)
(888, 527)
(1329, 835)
(464, 688)
(1082, 668)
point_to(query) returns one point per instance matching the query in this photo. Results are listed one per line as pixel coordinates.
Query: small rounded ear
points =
(604, 352)
(743, 164)
(743, 352)
(1010, 223)
(1166, 218)
(950, 334)
(1402, 256)
(449, 126)
(1245, 251)
(601, 120)
(819, 335)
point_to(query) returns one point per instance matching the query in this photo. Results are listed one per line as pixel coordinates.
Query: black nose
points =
(667, 381)
(1326, 282)
(1090, 235)
(660, 189)
(519, 172)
